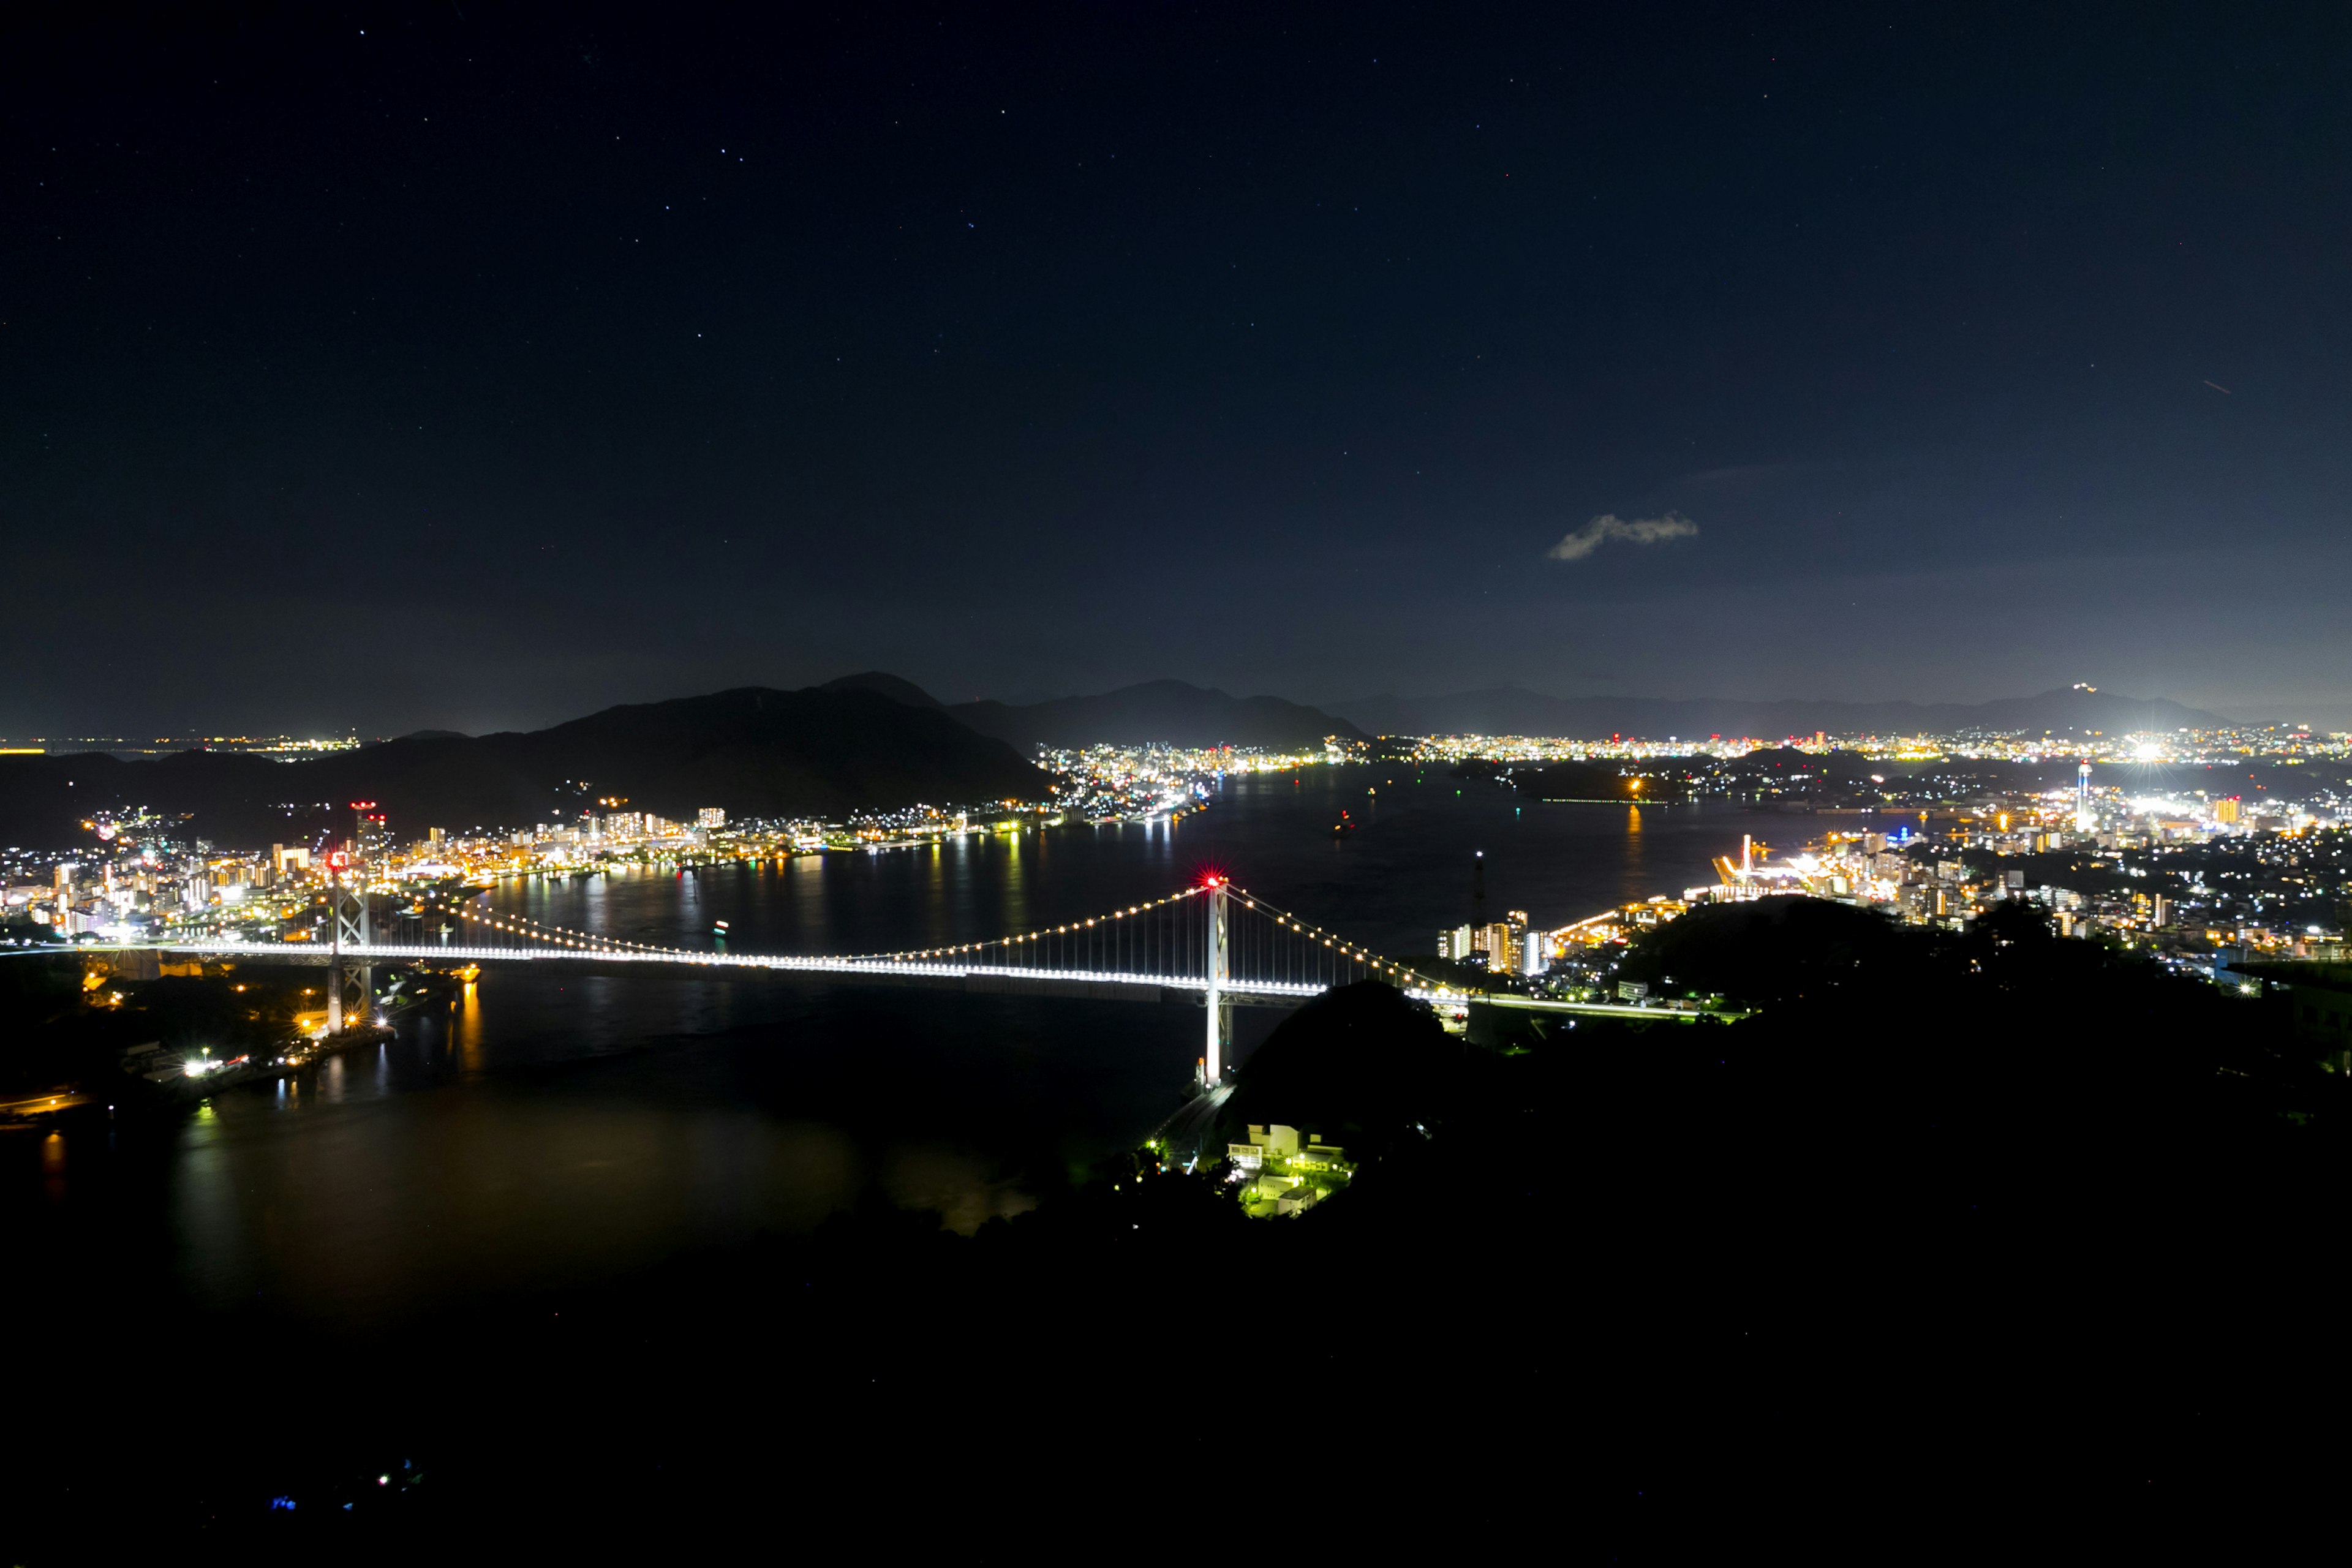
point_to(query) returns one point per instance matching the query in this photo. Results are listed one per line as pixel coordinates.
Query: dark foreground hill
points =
(1514, 711)
(754, 751)
(1167, 712)
(1958, 1231)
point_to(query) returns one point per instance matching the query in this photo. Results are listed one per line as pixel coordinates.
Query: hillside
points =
(1169, 712)
(755, 751)
(1511, 711)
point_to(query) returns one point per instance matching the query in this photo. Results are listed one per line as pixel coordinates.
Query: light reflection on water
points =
(545, 1128)
(53, 1167)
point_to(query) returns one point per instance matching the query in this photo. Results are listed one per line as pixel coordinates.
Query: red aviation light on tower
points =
(363, 805)
(1215, 876)
(338, 861)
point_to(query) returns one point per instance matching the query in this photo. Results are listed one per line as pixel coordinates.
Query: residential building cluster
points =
(2201, 882)
(2279, 742)
(1141, 783)
(138, 881)
(1279, 1171)
(1506, 946)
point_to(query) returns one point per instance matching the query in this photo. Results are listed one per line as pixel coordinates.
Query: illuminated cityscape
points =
(2278, 742)
(980, 779)
(2139, 855)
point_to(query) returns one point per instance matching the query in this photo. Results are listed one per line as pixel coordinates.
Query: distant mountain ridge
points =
(754, 752)
(896, 688)
(1169, 712)
(1511, 711)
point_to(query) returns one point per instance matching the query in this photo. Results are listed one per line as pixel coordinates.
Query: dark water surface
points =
(558, 1129)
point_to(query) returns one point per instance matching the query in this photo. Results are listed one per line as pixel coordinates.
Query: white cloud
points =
(1582, 542)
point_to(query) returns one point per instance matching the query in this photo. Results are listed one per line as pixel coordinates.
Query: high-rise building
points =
(1498, 946)
(371, 843)
(710, 816)
(1535, 955)
(2227, 809)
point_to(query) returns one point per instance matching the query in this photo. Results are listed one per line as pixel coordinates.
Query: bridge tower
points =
(348, 914)
(1221, 1013)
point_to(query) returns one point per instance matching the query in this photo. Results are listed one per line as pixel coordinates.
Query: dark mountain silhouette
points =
(755, 751)
(895, 687)
(1511, 711)
(1170, 712)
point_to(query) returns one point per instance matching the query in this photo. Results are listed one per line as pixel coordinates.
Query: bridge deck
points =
(998, 979)
(1005, 980)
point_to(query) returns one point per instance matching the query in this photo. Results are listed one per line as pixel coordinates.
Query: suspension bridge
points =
(1211, 942)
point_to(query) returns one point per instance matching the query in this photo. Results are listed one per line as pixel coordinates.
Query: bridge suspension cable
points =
(1153, 939)
(1341, 960)
(1164, 938)
(525, 928)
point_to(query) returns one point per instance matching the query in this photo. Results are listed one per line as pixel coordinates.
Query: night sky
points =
(477, 365)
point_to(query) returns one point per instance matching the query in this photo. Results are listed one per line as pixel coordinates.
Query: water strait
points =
(553, 1128)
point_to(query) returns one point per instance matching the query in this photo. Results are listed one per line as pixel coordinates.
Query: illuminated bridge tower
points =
(1221, 1013)
(348, 905)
